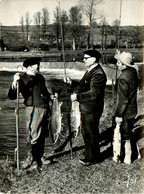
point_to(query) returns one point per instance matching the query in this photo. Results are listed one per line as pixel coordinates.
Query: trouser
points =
(127, 135)
(90, 133)
(37, 130)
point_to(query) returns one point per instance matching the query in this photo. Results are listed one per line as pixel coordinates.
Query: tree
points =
(28, 22)
(37, 22)
(56, 26)
(59, 25)
(22, 27)
(45, 21)
(90, 9)
(104, 33)
(116, 31)
(63, 21)
(75, 21)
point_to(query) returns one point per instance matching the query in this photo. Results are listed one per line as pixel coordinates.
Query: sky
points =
(132, 11)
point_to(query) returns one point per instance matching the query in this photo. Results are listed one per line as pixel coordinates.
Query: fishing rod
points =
(119, 32)
(69, 126)
(119, 24)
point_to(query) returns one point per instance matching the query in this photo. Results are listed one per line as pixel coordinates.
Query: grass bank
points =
(66, 175)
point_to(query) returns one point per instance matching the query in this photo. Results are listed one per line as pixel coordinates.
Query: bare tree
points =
(64, 21)
(90, 9)
(28, 22)
(22, 27)
(75, 21)
(104, 33)
(116, 31)
(56, 26)
(37, 22)
(60, 21)
(45, 21)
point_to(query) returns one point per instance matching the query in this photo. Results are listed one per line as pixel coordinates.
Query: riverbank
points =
(69, 55)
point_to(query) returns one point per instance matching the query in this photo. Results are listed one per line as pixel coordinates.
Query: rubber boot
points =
(128, 152)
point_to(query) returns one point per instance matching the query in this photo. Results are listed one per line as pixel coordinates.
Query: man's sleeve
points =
(122, 98)
(12, 93)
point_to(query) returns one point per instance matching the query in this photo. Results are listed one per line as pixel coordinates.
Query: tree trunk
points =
(74, 47)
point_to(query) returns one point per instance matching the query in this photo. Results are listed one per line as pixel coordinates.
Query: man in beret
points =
(126, 106)
(90, 94)
(36, 99)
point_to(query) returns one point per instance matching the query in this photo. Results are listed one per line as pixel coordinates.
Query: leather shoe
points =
(34, 167)
(84, 161)
(26, 163)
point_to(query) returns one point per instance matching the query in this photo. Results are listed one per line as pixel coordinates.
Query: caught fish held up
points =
(56, 118)
(75, 118)
(116, 143)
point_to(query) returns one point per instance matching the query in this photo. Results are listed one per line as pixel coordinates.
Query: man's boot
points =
(28, 161)
(128, 152)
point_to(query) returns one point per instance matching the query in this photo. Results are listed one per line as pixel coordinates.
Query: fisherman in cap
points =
(90, 94)
(36, 99)
(126, 105)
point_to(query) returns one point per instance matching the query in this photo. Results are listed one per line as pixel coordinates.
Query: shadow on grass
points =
(105, 139)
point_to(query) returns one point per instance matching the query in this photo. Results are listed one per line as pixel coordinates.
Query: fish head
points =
(55, 138)
(60, 104)
(56, 95)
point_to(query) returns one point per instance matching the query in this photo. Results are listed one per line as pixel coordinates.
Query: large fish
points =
(56, 118)
(75, 118)
(75, 123)
(116, 143)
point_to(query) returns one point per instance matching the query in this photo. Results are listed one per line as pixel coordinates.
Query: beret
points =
(31, 61)
(93, 53)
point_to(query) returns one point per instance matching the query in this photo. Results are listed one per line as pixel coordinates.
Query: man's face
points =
(120, 65)
(32, 70)
(88, 60)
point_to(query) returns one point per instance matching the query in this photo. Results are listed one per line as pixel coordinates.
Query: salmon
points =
(75, 118)
(56, 118)
(116, 143)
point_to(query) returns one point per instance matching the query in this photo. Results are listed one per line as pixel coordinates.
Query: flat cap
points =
(93, 53)
(31, 61)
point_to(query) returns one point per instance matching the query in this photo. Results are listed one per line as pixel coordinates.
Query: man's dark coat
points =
(90, 91)
(127, 84)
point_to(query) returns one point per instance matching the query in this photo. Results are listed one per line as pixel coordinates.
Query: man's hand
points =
(118, 120)
(16, 77)
(52, 97)
(117, 52)
(73, 97)
(67, 80)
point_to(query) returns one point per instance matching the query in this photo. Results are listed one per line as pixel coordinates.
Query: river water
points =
(7, 111)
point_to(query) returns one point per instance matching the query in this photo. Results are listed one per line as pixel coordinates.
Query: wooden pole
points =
(17, 129)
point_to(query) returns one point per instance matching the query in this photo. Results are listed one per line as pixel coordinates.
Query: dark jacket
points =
(127, 84)
(33, 90)
(90, 91)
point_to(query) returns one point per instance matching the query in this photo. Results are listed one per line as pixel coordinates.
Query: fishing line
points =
(119, 33)
(62, 40)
